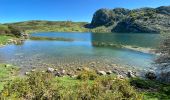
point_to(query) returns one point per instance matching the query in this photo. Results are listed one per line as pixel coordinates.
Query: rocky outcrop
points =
(108, 17)
(144, 20)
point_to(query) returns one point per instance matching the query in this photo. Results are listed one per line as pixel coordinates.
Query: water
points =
(41, 53)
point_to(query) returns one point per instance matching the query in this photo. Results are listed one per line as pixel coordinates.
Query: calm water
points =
(38, 53)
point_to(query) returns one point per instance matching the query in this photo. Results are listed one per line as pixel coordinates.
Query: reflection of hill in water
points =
(141, 40)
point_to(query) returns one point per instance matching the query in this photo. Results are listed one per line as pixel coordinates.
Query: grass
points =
(152, 90)
(7, 72)
(4, 39)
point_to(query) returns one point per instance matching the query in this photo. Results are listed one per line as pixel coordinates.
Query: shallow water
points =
(43, 52)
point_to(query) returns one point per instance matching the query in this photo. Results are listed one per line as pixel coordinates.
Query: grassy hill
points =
(51, 26)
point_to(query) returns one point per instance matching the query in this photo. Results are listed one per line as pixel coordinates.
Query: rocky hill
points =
(143, 20)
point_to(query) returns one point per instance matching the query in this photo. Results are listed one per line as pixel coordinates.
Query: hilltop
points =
(143, 20)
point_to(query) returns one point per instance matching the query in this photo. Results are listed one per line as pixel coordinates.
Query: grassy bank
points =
(4, 39)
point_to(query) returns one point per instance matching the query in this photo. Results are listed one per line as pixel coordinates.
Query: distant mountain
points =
(143, 20)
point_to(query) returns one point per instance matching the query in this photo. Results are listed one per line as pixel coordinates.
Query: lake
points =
(80, 51)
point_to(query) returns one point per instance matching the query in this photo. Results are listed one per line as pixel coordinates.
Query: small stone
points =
(78, 69)
(120, 77)
(50, 70)
(58, 74)
(109, 72)
(27, 73)
(33, 70)
(101, 72)
(63, 72)
(74, 76)
(70, 74)
(115, 71)
(130, 74)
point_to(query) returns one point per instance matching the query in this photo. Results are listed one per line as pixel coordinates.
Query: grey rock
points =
(101, 72)
(109, 72)
(143, 20)
(130, 74)
(50, 70)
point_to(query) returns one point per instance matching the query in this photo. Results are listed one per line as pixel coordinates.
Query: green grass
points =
(69, 82)
(4, 39)
(152, 90)
(7, 72)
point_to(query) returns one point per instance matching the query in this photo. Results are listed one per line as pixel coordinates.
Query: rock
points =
(78, 69)
(150, 75)
(164, 76)
(109, 72)
(74, 76)
(120, 77)
(27, 73)
(58, 74)
(33, 70)
(130, 74)
(101, 72)
(50, 70)
(70, 74)
(143, 20)
(86, 69)
(115, 71)
(63, 72)
(56, 70)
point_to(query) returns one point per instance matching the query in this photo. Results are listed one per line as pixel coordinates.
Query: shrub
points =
(105, 88)
(41, 86)
(87, 74)
(36, 86)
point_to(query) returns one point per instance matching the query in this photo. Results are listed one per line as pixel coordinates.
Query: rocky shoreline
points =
(121, 73)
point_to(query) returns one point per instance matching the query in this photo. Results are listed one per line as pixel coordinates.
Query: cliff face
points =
(144, 20)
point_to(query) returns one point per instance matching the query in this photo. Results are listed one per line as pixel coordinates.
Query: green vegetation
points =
(7, 72)
(51, 26)
(152, 90)
(4, 39)
(45, 86)
(86, 86)
(9, 32)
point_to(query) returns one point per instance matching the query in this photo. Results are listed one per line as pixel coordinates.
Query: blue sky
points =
(75, 10)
